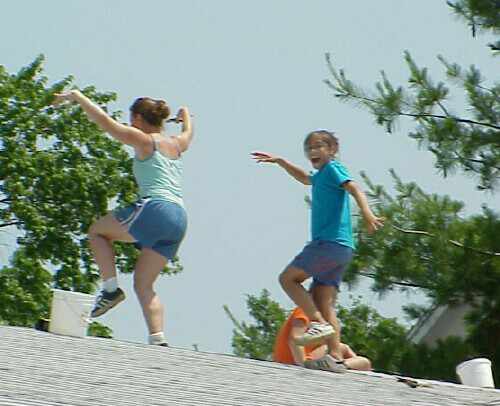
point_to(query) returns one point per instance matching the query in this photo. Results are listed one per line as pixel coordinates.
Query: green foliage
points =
(484, 333)
(24, 291)
(480, 15)
(414, 311)
(432, 259)
(438, 362)
(427, 243)
(470, 143)
(58, 172)
(454, 260)
(256, 340)
(99, 330)
(383, 340)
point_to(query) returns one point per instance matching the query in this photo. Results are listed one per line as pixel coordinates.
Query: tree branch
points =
(391, 282)
(12, 223)
(476, 161)
(453, 242)
(443, 108)
(236, 323)
(486, 89)
(422, 115)
(457, 119)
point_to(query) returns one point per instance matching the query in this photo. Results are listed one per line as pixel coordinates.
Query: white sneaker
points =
(326, 363)
(316, 332)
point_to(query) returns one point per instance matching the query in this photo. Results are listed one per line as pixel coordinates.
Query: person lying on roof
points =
(317, 356)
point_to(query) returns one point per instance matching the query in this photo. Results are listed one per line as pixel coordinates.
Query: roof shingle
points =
(41, 369)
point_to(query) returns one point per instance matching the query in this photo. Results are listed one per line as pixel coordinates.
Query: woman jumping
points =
(157, 221)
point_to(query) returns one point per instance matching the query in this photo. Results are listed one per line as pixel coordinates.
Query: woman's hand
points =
(181, 115)
(66, 96)
(265, 157)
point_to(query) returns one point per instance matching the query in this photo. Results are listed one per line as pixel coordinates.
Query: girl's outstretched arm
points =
(296, 172)
(123, 133)
(186, 135)
(373, 222)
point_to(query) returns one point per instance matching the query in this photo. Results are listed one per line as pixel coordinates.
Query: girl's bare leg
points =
(325, 298)
(291, 281)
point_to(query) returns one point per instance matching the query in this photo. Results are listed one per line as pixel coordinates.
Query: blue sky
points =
(252, 73)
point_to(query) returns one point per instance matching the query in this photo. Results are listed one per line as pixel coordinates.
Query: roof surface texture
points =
(40, 369)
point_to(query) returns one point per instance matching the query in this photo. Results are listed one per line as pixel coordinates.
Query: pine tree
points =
(427, 243)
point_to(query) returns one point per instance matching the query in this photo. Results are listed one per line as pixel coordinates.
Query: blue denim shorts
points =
(325, 261)
(154, 223)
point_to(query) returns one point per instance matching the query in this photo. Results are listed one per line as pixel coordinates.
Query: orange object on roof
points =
(282, 352)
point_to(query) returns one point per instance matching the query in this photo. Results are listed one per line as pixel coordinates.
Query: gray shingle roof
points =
(41, 369)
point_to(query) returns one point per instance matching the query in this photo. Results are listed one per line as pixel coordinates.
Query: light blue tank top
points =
(159, 177)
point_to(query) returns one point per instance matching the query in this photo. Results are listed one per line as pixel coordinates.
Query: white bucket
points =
(476, 372)
(70, 313)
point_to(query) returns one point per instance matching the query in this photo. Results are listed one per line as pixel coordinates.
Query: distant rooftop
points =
(42, 369)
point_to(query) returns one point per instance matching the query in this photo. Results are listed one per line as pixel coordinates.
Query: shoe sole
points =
(324, 365)
(106, 309)
(313, 340)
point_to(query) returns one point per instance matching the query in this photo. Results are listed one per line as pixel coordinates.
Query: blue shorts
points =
(154, 223)
(325, 261)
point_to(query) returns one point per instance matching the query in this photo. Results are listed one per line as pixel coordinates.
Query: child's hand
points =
(374, 223)
(265, 157)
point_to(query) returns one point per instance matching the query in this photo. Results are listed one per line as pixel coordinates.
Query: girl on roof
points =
(329, 253)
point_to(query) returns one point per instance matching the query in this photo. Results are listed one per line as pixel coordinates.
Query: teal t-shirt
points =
(330, 211)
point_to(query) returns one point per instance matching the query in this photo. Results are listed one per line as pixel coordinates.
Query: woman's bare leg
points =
(147, 270)
(102, 233)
